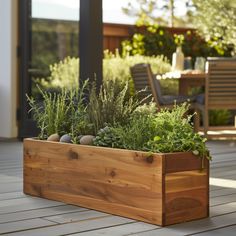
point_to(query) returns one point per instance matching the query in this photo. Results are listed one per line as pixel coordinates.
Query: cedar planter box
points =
(161, 189)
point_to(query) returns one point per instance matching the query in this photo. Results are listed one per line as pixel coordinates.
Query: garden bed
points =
(161, 189)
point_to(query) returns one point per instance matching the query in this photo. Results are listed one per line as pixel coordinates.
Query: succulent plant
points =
(106, 138)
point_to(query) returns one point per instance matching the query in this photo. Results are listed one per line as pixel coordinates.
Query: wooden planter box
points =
(161, 189)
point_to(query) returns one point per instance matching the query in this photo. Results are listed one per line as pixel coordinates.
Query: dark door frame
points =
(91, 40)
(27, 126)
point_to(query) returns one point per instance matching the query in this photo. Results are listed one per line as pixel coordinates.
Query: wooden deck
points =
(25, 215)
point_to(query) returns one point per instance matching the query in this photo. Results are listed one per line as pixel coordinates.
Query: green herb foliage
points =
(161, 132)
(136, 133)
(107, 138)
(51, 115)
(113, 105)
(174, 133)
(62, 112)
(117, 120)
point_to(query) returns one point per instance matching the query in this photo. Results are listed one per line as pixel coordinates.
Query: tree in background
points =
(216, 21)
(145, 10)
(169, 6)
(160, 12)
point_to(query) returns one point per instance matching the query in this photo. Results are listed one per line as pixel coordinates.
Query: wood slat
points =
(47, 211)
(221, 231)
(193, 227)
(12, 195)
(223, 209)
(10, 187)
(142, 72)
(222, 192)
(223, 64)
(177, 182)
(26, 224)
(220, 90)
(75, 227)
(222, 200)
(179, 162)
(75, 216)
(22, 204)
(125, 229)
(228, 92)
(229, 87)
(223, 74)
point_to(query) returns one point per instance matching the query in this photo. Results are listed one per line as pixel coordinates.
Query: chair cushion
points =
(171, 99)
(200, 98)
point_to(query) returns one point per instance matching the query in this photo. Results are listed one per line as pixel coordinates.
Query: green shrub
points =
(118, 67)
(219, 117)
(158, 41)
(65, 74)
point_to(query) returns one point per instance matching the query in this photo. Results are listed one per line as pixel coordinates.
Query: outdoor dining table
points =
(187, 79)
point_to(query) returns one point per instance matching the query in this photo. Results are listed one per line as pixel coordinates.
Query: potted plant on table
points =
(118, 156)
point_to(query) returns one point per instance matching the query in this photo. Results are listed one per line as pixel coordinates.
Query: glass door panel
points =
(48, 34)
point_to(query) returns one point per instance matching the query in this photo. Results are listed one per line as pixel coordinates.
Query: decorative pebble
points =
(54, 138)
(80, 136)
(87, 139)
(66, 138)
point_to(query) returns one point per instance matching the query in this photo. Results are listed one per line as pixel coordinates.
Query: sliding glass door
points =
(48, 34)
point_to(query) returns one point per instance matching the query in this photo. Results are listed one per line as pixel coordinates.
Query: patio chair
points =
(143, 78)
(220, 88)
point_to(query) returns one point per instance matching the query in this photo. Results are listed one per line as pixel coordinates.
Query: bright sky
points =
(68, 10)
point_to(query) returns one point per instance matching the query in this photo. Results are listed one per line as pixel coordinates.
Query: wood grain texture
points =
(175, 162)
(122, 182)
(186, 196)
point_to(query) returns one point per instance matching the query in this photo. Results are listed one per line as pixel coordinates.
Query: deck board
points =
(194, 227)
(40, 213)
(26, 224)
(75, 227)
(12, 195)
(30, 216)
(219, 232)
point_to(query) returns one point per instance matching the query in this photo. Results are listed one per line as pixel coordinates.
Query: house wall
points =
(8, 68)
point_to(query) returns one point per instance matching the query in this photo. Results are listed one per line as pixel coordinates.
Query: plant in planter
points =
(61, 113)
(140, 163)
